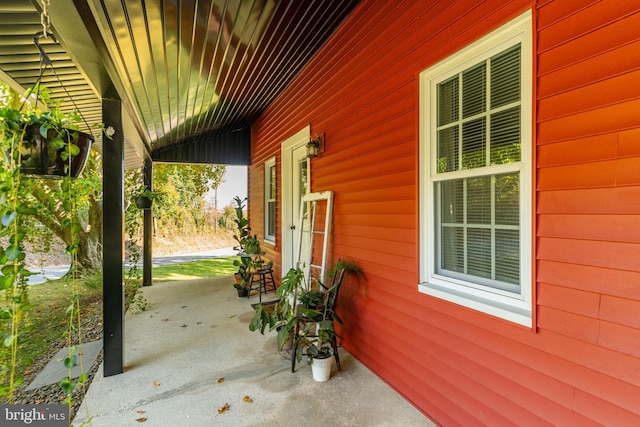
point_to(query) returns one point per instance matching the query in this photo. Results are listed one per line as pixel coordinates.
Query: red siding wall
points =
(580, 365)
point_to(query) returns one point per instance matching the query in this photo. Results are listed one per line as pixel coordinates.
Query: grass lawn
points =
(214, 267)
(48, 319)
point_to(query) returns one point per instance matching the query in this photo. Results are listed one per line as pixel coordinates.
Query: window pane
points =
(448, 101)
(474, 91)
(508, 199)
(505, 136)
(479, 252)
(272, 182)
(505, 77)
(448, 149)
(271, 225)
(452, 205)
(452, 249)
(479, 200)
(508, 258)
(474, 144)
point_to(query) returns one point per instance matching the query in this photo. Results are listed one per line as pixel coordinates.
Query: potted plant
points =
(316, 333)
(242, 237)
(144, 197)
(282, 315)
(242, 276)
(242, 224)
(48, 143)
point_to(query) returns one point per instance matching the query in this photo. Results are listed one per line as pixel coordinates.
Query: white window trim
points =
(512, 307)
(267, 181)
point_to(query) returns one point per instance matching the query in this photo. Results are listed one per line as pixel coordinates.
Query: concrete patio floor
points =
(191, 353)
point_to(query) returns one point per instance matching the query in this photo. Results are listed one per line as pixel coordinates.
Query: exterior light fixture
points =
(315, 145)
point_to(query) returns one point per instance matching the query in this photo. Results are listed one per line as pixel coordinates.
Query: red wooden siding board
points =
(569, 300)
(606, 38)
(377, 208)
(388, 194)
(569, 324)
(620, 338)
(384, 233)
(597, 68)
(616, 117)
(623, 311)
(397, 143)
(393, 221)
(384, 163)
(628, 171)
(583, 150)
(616, 255)
(600, 94)
(605, 280)
(629, 143)
(590, 201)
(585, 21)
(583, 175)
(370, 243)
(551, 12)
(604, 412)
(622, 172)
(613, 228)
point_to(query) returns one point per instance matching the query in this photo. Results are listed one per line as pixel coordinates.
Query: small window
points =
(270, 200)
(476, 175)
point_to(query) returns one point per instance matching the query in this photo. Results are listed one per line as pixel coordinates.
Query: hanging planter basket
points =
(41, 158)
(143, 203)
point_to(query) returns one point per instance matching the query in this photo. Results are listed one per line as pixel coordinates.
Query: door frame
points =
(288, 146)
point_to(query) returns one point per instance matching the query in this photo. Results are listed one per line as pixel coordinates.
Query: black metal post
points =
(148, 228)
(113, 237)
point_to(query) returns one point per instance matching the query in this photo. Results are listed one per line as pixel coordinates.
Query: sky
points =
(235, 184)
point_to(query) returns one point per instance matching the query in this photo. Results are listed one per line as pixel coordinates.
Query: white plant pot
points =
(321, 368)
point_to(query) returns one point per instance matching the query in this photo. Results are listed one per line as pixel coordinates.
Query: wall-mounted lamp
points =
(315, 146)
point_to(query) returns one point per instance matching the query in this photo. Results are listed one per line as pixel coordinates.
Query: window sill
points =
(516, 312)
(271, 242)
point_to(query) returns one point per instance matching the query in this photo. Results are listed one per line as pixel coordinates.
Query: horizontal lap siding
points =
(579, 366)
(588, 209)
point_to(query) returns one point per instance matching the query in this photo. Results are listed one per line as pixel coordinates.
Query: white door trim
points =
(295, 141)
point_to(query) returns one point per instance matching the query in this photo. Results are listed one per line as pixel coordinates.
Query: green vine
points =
(135, 301)
(74, 323)
(14, 314)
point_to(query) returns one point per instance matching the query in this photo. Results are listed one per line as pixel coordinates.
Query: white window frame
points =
(513, 307)
(271, 163)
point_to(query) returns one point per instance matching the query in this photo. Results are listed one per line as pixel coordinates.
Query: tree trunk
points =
(90, 240)
(51, 214)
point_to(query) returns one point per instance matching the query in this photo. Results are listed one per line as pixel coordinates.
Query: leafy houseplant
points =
(242, 236)
(242, 275)
(283, 315)
(144, 197)
(46, 143)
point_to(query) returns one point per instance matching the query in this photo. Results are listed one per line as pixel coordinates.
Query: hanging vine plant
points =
(44, 144)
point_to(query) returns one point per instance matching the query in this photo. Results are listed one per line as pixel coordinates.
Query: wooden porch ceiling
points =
(183, 68)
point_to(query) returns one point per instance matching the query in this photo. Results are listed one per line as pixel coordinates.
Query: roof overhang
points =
(192, 74)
